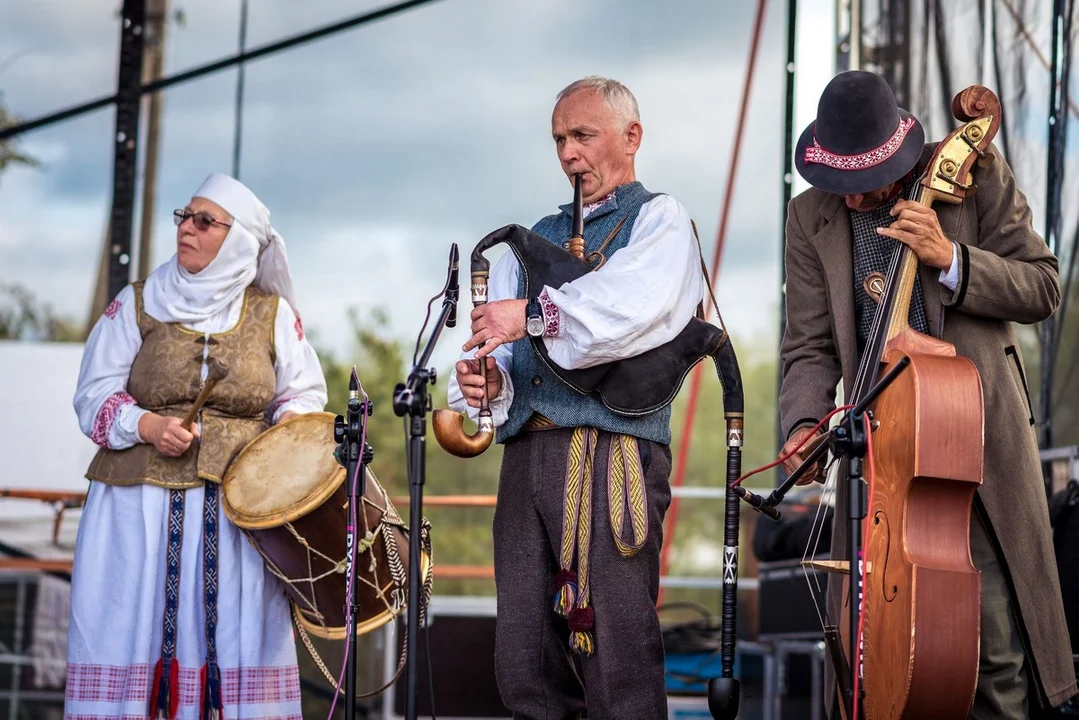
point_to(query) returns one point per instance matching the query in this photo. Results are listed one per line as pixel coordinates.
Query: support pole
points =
(125, 143)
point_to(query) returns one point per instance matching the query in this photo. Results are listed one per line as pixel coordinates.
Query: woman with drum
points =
(173, 614)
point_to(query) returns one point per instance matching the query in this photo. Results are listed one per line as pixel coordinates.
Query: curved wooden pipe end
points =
(449, 429)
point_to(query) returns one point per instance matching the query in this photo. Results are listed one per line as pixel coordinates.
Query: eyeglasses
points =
(202, 220)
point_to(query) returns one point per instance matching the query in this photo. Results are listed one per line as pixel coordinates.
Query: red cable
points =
(792, 453)
(695, 384)
(865, 534)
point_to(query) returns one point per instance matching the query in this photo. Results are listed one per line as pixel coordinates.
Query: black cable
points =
(686, 605)
(692, 637)
(424, 627)
(430, 671)
(198, 72)
(426, 319)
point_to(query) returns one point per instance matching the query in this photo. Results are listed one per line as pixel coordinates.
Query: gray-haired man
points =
(567, 578)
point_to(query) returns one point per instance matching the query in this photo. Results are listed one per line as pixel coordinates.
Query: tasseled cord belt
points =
(626, 495)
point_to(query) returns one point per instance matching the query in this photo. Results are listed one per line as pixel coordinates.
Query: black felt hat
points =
(861, 140)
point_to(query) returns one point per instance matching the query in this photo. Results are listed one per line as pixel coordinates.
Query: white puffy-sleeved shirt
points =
(640, 299)
(110, 417)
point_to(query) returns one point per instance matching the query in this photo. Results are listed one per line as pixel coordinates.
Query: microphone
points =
(341, 426)
(453, 289)
(353, 398)
(757, 502)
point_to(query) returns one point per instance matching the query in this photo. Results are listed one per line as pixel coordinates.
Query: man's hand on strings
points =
(917, 226)
(496, 323)
(791, 464)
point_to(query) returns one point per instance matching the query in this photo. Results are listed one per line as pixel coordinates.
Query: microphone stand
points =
(413, 400)
(349, 435)
(847, 440)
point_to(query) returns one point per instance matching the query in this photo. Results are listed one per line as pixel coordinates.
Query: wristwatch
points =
(534, 318)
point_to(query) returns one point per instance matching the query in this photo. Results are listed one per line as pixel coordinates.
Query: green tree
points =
(696, 537)
(23, 317)
(9, 154)
(462, 536)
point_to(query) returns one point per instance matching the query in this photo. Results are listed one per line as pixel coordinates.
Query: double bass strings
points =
(816, 529)
(873, 349)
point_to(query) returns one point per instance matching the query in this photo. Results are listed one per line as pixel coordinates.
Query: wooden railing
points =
(64, 500)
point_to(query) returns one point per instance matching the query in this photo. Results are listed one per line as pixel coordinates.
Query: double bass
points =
(921, 599)
(910, 649)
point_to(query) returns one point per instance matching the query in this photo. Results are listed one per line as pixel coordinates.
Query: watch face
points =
(534, 327)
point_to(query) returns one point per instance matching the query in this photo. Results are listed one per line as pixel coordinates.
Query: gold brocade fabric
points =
(166, 378)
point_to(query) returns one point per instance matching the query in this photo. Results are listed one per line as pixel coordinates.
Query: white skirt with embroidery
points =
(118, 605)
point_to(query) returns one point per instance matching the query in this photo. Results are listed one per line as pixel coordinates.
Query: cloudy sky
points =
(378, 147)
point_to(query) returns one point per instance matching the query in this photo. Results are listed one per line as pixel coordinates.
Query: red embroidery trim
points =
(131, 683)
(552, 316)
(586, 209)
(107, 415)
(112, 309)
(817, 154)
(298, 327)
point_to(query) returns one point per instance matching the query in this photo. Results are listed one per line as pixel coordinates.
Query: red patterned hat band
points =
(861, 161)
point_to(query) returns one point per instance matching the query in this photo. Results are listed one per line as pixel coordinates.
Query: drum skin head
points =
(283, 474)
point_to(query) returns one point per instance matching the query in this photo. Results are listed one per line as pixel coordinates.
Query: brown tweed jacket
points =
(1006, 275)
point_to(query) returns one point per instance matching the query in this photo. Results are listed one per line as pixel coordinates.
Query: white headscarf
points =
(251, 252)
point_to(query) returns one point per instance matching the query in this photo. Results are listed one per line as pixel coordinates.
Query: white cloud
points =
(377, 148)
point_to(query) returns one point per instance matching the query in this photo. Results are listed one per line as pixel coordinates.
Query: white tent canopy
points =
(43, 448)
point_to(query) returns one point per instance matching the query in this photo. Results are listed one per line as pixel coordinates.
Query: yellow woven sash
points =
(626, 495)
(625, 491)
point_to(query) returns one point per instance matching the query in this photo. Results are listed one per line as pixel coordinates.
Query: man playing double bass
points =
(566, 581)
(982, 268)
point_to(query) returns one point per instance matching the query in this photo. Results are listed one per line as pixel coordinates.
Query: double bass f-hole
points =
(888, 589)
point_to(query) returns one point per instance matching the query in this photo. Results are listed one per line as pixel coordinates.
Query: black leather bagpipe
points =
(631, 387)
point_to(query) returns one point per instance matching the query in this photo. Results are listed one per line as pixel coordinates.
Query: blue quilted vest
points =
(535, 388)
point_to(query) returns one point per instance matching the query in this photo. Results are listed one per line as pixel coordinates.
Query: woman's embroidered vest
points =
(166, 378)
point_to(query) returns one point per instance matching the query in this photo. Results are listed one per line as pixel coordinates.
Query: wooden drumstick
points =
(215, 372)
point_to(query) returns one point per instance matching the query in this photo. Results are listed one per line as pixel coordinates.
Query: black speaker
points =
(1065, 519)
(458, 645)
(787, 610)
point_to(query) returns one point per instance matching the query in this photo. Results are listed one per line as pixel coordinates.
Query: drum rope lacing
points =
(397, 573)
